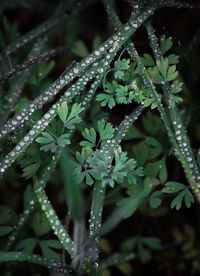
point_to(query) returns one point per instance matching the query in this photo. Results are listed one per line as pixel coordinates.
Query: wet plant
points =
(65, 156)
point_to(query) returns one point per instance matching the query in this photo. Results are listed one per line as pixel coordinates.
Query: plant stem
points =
(95, 220)
(35, 259)
(116, 260)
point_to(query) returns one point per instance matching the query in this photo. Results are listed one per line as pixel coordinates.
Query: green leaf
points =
(86, 144)
(173, 187)
(130, 204)
(27, 245)
(154, 74)
(106, 99)
(176, 86)
(177, 201)
(133, 133)
(27, 196)
(117, 172)
(140, 153)
(148, 102)
(165, 44)
(144, 254)
(39, 72)
(109, 98)
(48, 68)
(152, 242)
(63, 111)
(186, 195)
(151, 123)
(163, 66)
(4, 230)
(129, 244)
(154, 200)
(138, 241)
(126, 207)
(7, 215)
(52, 147)
(98, 162)
(147, 60)
(106, 130)
(30, 170)
(118, 74)
(122, 64)
(132, 176)
(47, 251)
(96, 42)
(76, 109)
(73, 117)
(173, 59)
(90, 135)
(189, 199)
(174, 99)
(89, 180)
(63, 140)
(172, 73)
(151, 181)
(40, 223)
(79, 49)
(154, 147)
(163, 171)
(47, 138)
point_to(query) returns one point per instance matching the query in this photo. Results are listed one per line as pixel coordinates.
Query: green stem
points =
(112, 261)
(56, 225)
(95, 220)
(35, 259)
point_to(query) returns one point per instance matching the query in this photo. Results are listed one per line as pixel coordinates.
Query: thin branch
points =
(45, 56)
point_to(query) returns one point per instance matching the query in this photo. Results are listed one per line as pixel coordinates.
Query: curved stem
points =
(35, 259)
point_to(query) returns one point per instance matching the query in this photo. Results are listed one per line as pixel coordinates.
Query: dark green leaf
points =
(96, 42)
(40, 223)
(189, 199)
(152, 242)
(63, 140)
(165, 44)
(47, 138)
(30, 170)
(155, 199)
(106, 130)
(27, 245)
(147, 60)
(173, 187)
(177, 201)
(79, 49)
(47, 251)
(144, 254)
(63, 111)
(4, 230)
(52, 147)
